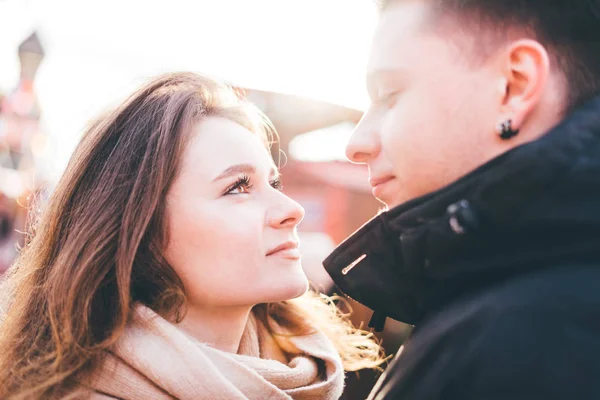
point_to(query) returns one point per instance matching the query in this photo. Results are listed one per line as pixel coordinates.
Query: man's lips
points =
(376, 181)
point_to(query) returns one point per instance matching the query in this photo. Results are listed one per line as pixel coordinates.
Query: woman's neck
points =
(222, 328)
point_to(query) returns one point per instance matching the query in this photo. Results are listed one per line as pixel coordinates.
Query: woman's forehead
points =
(218, 143)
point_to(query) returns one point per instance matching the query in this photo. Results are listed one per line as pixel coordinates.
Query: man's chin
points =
(386, 192)
(390, 199)
(393, 200)
(385, 205)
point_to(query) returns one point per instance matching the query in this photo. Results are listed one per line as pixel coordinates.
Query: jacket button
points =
(462, 218)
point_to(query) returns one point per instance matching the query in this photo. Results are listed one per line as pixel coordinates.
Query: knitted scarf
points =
(156, 360)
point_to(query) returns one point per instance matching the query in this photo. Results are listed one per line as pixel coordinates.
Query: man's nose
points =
(363, 144)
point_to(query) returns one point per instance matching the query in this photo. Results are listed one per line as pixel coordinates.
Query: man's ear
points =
(526, 69)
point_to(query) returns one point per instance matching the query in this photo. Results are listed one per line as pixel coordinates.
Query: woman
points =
(164, 265)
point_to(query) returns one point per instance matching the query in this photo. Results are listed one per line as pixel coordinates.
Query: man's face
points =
(433, 110)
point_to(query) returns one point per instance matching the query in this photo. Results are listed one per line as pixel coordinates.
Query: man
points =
(483, 139)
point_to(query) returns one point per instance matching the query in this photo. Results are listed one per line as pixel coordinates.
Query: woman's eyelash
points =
(243, 180)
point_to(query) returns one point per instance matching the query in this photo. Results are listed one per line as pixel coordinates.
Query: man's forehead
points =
(398, 30)
(405, 15)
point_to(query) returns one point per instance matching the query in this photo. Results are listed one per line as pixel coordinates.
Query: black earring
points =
(505, 130)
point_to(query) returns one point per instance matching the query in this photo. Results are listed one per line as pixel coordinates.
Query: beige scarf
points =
(164, 363)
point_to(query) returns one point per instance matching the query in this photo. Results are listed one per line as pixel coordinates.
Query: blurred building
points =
(21, 142)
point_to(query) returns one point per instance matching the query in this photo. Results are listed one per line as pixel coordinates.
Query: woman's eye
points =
(240, 189)
(277, 184)
(241, 186)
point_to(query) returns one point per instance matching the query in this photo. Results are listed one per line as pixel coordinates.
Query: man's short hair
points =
(569, 29)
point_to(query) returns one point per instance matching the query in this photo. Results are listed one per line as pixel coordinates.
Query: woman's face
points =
(232, 232)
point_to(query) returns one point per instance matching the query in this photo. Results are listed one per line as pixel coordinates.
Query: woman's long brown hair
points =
(96, 250)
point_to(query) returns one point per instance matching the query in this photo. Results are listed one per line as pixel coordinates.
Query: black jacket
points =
(499, 271)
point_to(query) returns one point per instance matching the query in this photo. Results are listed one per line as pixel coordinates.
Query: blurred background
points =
(63, 62)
